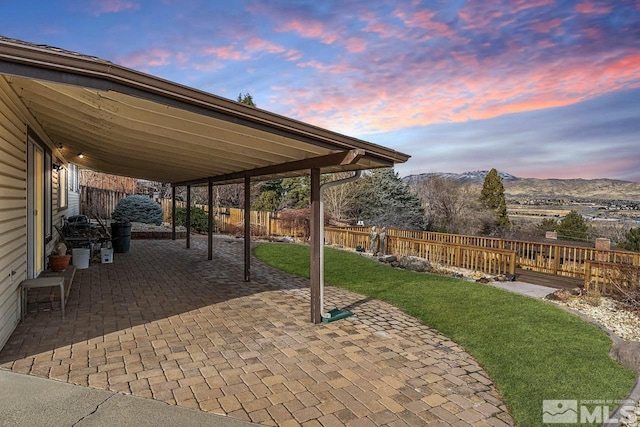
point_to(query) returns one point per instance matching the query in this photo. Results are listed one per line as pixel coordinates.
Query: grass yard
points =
(531, 349)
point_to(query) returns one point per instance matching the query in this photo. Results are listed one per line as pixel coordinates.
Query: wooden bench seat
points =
(42, 282)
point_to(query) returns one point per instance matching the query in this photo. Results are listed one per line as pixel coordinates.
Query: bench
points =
(42, 282)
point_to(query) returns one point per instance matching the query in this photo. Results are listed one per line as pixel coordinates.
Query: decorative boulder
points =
(388, 259)
(413, 263)
(577, 291)
(559, 295)
(627, 353)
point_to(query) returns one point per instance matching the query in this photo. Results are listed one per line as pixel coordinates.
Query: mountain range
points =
(602, 188)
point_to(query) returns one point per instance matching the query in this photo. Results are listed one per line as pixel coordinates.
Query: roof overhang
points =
(129, 123)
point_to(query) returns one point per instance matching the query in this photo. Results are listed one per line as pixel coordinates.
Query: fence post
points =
(512, 264)
(556, 259)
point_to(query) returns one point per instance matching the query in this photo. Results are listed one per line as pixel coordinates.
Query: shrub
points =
(138, 209)
(633, 240)
(199, 219)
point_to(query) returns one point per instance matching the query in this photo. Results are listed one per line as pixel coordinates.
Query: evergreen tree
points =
(547, 224)
(633, 240)
(384, 200)
(296, 192)
(492, 198)
(573, 226)
(246, 99)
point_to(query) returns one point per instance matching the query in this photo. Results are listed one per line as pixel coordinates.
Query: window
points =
(63, 188)
(73, 178)
(48, 194)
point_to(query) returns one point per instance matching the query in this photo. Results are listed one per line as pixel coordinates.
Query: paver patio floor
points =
(165, 323)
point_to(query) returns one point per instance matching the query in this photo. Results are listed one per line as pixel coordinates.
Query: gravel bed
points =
(611, 314)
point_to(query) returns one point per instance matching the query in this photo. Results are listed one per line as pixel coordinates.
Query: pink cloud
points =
(142, 59)
(477, 89)
(99, 7)
(424, 19)
(591, 8)
(546, 26)
(310, 29)
(486, 14)
(257, 44)
(355, 44)
(225, 52)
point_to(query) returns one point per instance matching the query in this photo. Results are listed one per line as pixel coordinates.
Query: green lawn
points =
(531, 349)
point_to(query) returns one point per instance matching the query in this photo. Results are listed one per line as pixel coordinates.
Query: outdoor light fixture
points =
(57, 166)
(81, 155)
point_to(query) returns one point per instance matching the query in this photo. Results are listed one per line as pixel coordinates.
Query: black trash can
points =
(121, 237)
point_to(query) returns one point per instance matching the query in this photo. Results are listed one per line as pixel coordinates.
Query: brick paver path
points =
(164, 323)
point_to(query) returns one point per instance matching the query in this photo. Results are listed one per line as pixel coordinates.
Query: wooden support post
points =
(210, 230)
(173, 212)
(247, 228)
(316, 241)
(188, 219)
(556, 259)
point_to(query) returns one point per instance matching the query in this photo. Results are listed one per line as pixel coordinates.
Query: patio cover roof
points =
(129, 123)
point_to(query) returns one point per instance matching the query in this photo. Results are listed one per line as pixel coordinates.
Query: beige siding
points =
(74, 204)
(13, 217)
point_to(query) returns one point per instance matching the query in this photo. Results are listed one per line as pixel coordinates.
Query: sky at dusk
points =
(535, 88)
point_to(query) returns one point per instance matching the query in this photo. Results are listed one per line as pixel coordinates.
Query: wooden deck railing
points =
(610, 277)
(494, 261)
(563, 260)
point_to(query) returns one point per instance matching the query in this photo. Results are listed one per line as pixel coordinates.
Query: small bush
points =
(199, 219)
(138, 209)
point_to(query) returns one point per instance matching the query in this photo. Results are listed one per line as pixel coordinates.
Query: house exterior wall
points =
(13, 207)
(13, 213)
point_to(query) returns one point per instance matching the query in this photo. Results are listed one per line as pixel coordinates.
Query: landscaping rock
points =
(413, 263)
(627, 353)
(394, 264)
(388, 259)
(559, 295)
(483, 280)
(577, 291)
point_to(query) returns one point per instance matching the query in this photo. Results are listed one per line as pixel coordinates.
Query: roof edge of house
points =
(47, 57)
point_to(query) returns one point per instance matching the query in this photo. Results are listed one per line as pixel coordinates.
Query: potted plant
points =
(59, 259)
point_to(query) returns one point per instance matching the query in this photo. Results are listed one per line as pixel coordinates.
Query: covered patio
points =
(165, 323)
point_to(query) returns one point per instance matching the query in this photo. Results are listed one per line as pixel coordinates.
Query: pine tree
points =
(492, 198)
(633, 240)
(246, 99)
(573, 226)
(385, 200)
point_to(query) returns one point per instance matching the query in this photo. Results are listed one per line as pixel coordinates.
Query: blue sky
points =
(536, 88)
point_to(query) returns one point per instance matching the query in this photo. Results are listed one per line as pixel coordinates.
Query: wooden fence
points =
(599, 268)
(494, 261)
(563, 260)
(231, 220)
(100, 202)
(611, 278)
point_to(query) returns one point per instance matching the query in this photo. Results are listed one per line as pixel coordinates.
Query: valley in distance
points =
(604, 201)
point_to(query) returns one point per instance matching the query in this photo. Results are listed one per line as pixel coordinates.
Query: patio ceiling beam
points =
(342, 158)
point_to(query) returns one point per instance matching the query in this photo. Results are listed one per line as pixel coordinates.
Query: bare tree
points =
(338, 199)
(448, 204)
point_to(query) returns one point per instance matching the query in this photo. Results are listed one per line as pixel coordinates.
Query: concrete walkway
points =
(164, 323)
(26, 400)
(522, 288)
